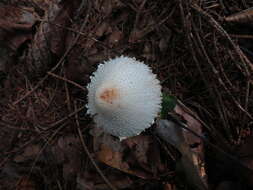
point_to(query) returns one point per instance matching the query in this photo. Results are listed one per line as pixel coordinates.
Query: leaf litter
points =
(48, 48)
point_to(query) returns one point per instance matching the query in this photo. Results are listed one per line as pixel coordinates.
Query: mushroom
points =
(124, 96)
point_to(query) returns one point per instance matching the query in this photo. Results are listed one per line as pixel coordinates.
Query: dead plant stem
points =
(89, 154)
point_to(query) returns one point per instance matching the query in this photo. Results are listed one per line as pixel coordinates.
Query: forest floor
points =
(201, 51)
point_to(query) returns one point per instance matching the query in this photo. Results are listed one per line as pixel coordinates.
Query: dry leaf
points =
(191, 139)
(115, 37)
(16, 25)
(138, 156)
(188, 164)
(25, 183)
(192, 160)
(67, 152)
(245, 16)
(15, 29)
(83, 184)
(169, 187)
(29, 153)
(50, 38)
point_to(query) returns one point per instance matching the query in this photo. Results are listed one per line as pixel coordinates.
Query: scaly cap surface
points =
(124, 96)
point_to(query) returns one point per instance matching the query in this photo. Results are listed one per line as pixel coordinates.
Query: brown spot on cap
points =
(109, 95)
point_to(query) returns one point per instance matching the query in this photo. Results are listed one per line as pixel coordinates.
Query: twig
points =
(67, 117)
(66, 80)
(60, 61)
(187, 27)
(218, 77)
(137, 18)
(219, 28)
(67, 93)
(89, 155)
(242, 36)
(12, 127)
(227, 155)
(31, 91)
(44, 147)
(84, 36)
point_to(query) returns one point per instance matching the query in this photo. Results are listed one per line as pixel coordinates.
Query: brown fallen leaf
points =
(115, 160)
(82, 184)
(66, 152)
(190, 146)
(138, 34)
(51, 36)
(89, 180)
(29, 153)
(169, 187)
(25, 183)
(16, 25)
(102, 29)
(245, 16)
(148, 51)
(39, 4)
(191, 139)
(188, 164)
(138, 156)
(115, 37)
(15, 29)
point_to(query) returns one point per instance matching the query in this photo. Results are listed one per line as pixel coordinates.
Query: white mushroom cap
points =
(124, 97)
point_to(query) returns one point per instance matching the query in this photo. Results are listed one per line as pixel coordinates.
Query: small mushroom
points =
(124, 96)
